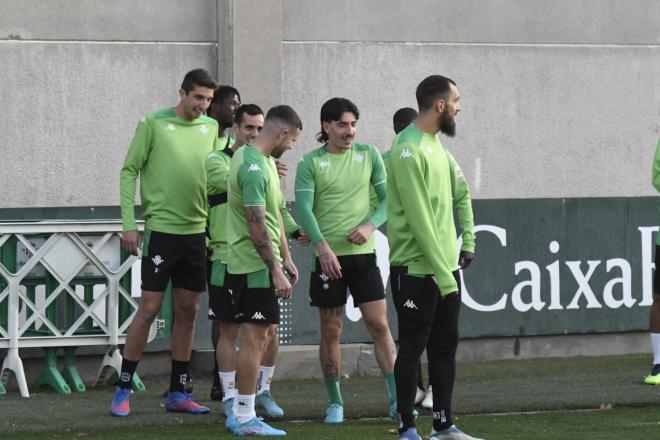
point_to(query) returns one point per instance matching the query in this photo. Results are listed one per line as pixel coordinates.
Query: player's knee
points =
(331, 330)
(186, 312)
(378, 328)
(228, 333)
(146, 315)
(446, 347)
(272, 332)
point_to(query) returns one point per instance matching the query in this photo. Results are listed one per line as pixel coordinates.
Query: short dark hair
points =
(198, 77)
(402, 118)
(332, 111)
(431, 89)
(250, 109)
(286, 115)
(224, 92)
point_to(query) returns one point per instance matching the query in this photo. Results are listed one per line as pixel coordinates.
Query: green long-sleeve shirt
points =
(461, 200)
(332, 195)
(217, 171)
(253, 181)
(217, 176)
(656, 179)
(420, 223)
(168, 153)
(462, 203)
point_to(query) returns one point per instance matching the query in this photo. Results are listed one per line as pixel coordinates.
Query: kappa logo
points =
(211, 314)
(242, 403)
(358, 157)
(324, 164)
(157, 260)
(204, 129)
(254, 167)
(230, 291)
(405, 154)
(170, 127)
(459, 172)
(125, 377)
(258, 315)
(410, 304)
(324, 277)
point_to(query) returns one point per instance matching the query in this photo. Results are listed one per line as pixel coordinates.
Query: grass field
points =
(556, 399)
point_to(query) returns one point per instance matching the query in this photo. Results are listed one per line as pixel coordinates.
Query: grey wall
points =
(560, 99)
(76, 77)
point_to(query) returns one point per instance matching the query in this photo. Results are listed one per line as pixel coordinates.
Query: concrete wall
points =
(76, 77)
(560, 99)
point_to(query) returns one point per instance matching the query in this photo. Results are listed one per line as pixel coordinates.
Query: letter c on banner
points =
(500, 233)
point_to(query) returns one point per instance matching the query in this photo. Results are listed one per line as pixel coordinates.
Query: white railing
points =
(63, 251)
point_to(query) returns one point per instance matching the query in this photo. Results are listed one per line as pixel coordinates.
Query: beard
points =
(447, 124)
(277, 152)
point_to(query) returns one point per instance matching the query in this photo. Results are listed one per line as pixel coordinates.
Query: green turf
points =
(617, 424)
(481, 388)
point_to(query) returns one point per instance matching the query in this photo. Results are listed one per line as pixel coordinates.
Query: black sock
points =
(127, 371)
(420, 379)
(442, 419)
(216, 377)
(179, 376)
(406, 421)
(655, 370)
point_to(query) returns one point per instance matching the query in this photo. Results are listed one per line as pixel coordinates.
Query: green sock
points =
(391, 386)
(332, 385)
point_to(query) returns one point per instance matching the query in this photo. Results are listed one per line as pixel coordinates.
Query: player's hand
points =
(291, 270)
(464, 259)
(361, 234)
(130, 240)
(282, 168)
(303, 238)
(282, 285)
(328, 260)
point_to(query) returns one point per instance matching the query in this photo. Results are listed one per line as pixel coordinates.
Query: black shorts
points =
(180, 258)
(222, 303)
(360, 275)
(254, 294)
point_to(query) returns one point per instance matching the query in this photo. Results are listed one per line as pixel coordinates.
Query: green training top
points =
(253, 181)
(224, 141)
(167, 153)
(656, 179)
(374, 200)
(332, 195)
(420, 223)
(217, 176)
(462, 202)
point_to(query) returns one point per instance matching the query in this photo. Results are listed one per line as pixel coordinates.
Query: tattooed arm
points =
(256, 220)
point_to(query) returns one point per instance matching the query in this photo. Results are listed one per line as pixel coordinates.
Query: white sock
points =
(265, 377)
(228, 381)
(244, 408)
(655, 344)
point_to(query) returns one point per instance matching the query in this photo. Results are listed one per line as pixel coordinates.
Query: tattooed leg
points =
(330, 353)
